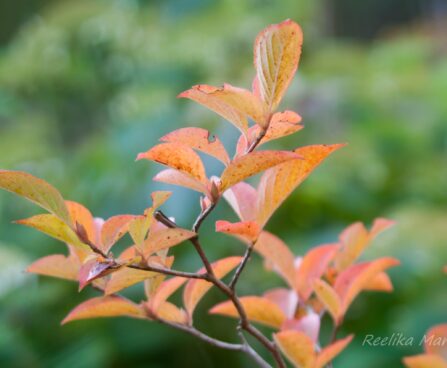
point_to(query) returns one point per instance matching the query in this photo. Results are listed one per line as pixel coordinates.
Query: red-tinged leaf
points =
(331, 351)
(201, 140)
(94, 269)
(36, 190)
(308, 324)
(160, 197)
(175, 177)
(297, 347)
(164, 291)
(277, 50)
(165, 238)
(203, 94)
(381, 282)
(114, 229)
(253, 163)
(258, 309)
(126, 277)
(277, 256)
(56, 265)
(169, 312)
(313, 265)
(179, 157)
(242, 197)
(54, 227)
(109, 306)
(435, 340)
(425, 361)
(330, 299)
(248, 230)
(278, 182)
(81, 218)
(195, 289)
(353, 280)
(286, 299)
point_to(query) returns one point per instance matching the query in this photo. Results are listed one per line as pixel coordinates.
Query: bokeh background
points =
(85, 85)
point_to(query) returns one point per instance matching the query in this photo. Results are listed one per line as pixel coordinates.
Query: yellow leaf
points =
(126, 277)
(170, 312)
(425, 361)
(297, 347)
(330, 299)
(165, 238)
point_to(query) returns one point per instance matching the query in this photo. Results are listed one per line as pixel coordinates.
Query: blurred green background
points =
(85, 85)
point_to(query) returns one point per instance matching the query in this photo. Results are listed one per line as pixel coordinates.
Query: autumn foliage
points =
(325, 280)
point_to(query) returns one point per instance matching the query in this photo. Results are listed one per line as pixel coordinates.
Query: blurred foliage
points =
(85, 85)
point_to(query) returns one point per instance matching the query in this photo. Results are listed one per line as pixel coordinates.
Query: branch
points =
(241, 266)
(257, 140)
(167, 271)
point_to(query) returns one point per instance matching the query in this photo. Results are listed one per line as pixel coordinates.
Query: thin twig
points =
(257, 140)
(167, 271)
(241, 266)
(203, 215)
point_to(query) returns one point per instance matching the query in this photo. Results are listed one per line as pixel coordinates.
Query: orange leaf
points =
(172, 313)
(297, 347)
(308, 324)
(108, 306)
(159, 197)
(195, 289)
(286, 299)
(81, 218)
(114, 229)
(175, 177)
(277, 255)
(165, 238)
(164, 291)
(277, 183)
(56, 265)
(381, 282)
(36, 190)
(331, 351)
(258, 309)
(313, 265)
(435, 340)
(425, 361)
(201, 140)
(253, 163)
(126, 277)
(277, 50)
(242, 198)
(246, 229)
(203, 94)
(330, 299)
(353, 280)
(179, 157)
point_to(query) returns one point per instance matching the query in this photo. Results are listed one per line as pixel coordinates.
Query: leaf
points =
(159, 197)
(195, 289)
(309, 324)
(312, 267)
(179, 157)
(175, 177)
(277, 50)
(203, 94)
(297, 347)
(330, 299)
(245, 229)
(114, 229)
(169, 312)
(277, 256)
(56, 228)
(164, 291)
(94, 269)
(126, 277)
(425, 361)
(242, 198)
(258, 309)
(201, 140)
(81, 218)
(165, 238)
(108, 306)
(277, 183)
(253, 163)
(36, 190)
(435, 340)
(353, 280)
(381, 282)
(56, 265)
(286, 299)
(139, 227)
(331, 351)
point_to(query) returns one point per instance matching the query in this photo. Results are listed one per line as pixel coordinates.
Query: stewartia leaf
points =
(195, 289)
(175, 177)
(36, 190)
(277, 256)
(308, 324)
(331, 351)
(297, 347)
(179, 157)
(203, 94)
(253, 163)
(82, 220)
(353, 280)
(95, 268)
(277, 50)
(139, 227)
(248, 230)
(108, 306)
(330, 299)
(56, 265)
(114, 229)
(312, 266)
(201, 140)
(54, 227)
(258, 309)
(286, 299)
(436, 340)
(242, 198)
(278, 182)
(381, 282)
(169, 312)
(425, 361)
(125, 277)
(165, 238)
(159, 197)
(164, 291)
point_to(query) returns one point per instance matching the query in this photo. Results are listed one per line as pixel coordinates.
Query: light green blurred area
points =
(86, 85)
